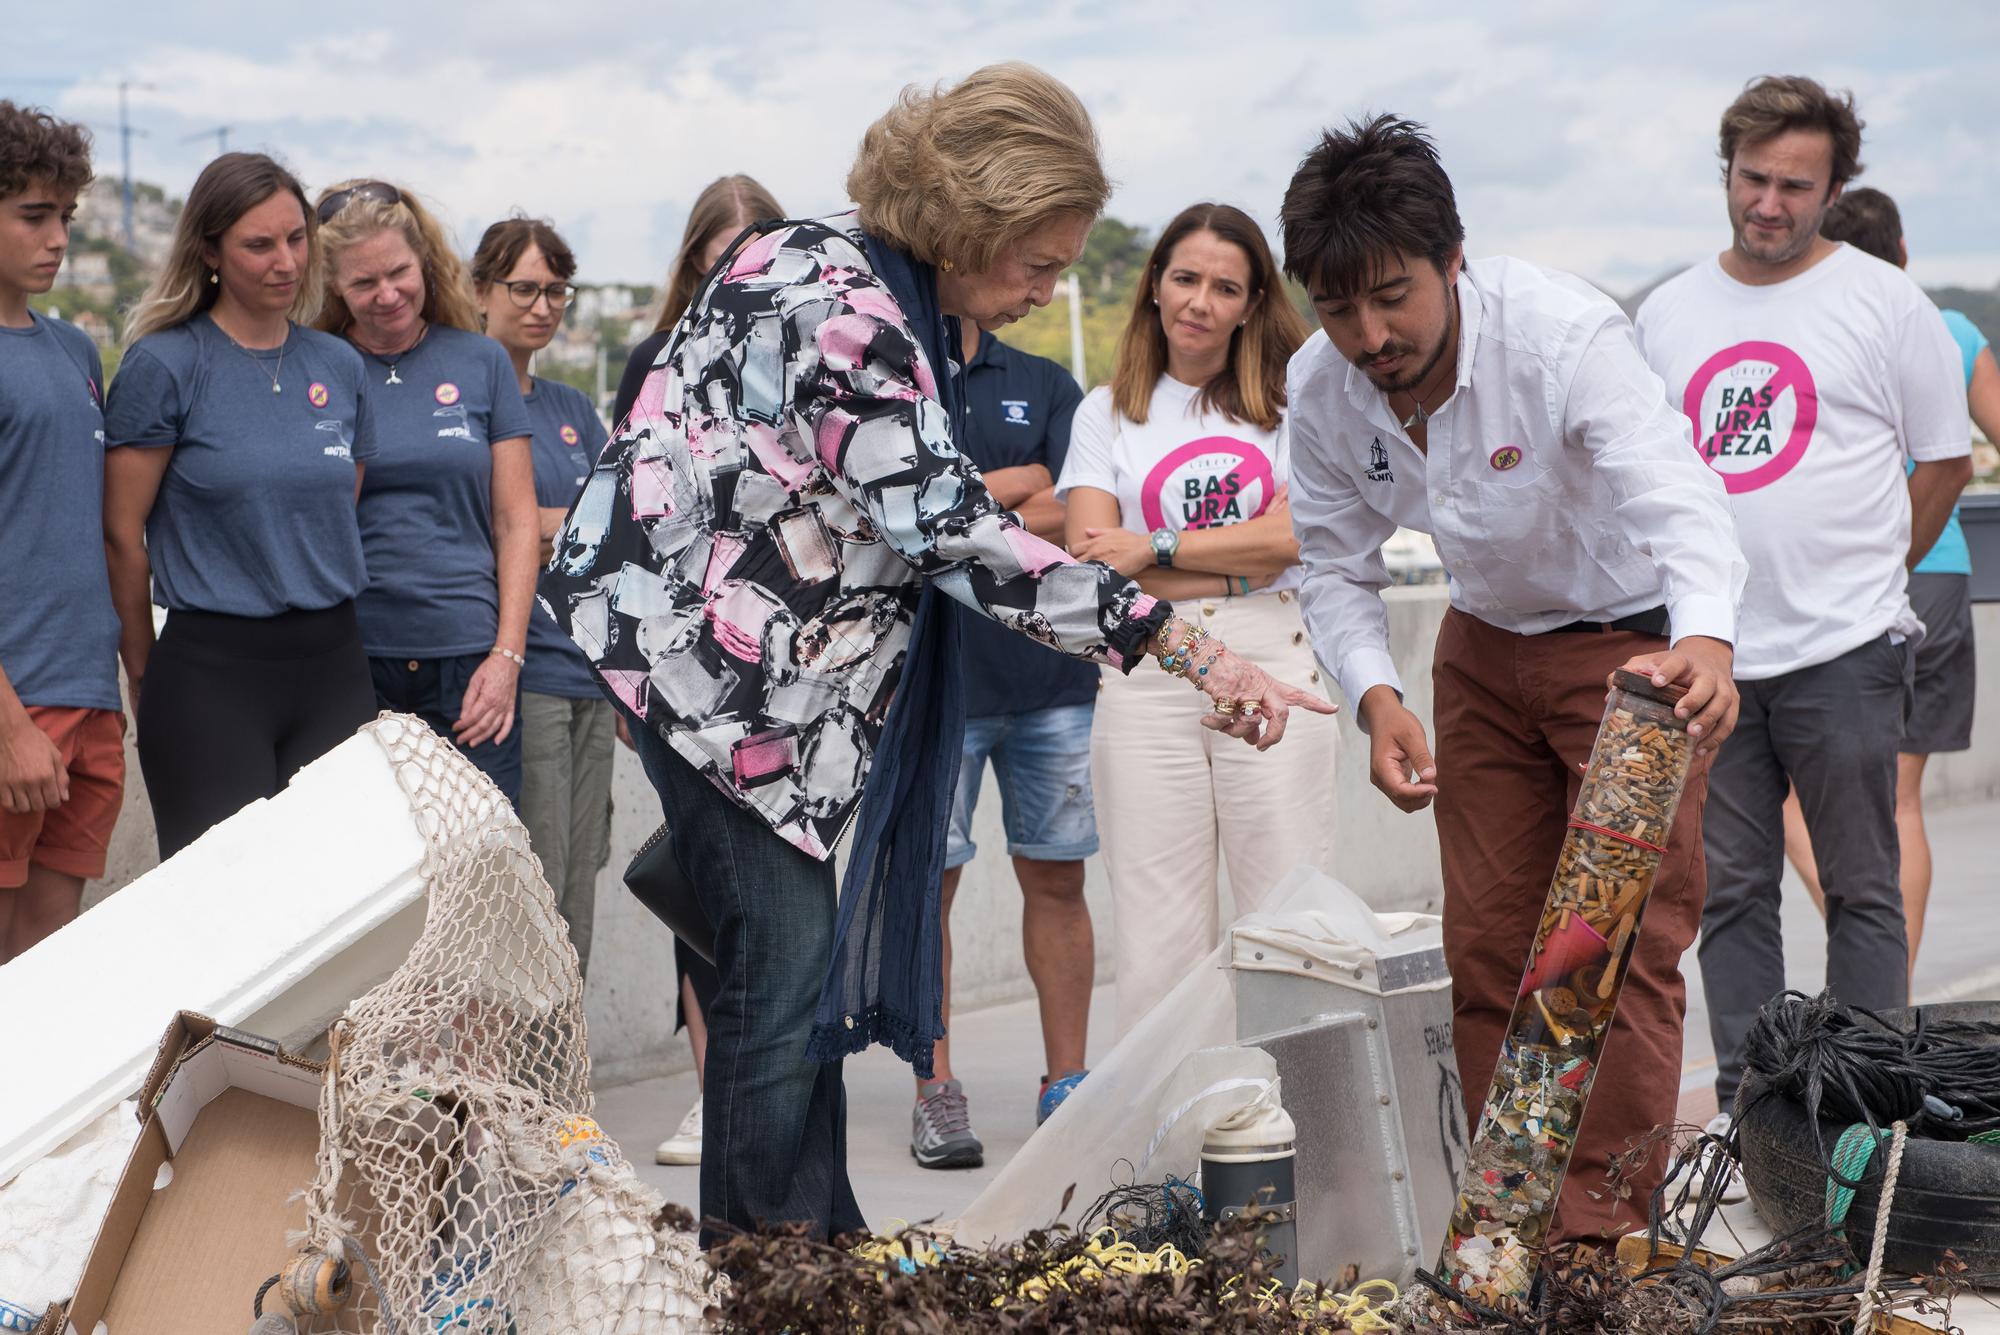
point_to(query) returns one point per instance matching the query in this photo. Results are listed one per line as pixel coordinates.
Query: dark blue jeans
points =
(434, 690)
(774, 1125)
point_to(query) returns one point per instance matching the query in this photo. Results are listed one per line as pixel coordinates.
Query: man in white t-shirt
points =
(1811, 371)
(1505, 410)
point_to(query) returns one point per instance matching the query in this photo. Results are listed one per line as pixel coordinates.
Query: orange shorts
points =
(72, 838)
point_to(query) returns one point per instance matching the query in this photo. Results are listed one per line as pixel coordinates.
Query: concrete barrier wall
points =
(1388, 857)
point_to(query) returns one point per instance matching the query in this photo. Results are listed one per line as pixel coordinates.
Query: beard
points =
(1783, 246)
(1404, 383)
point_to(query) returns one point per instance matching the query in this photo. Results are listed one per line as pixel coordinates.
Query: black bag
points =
(656, 878)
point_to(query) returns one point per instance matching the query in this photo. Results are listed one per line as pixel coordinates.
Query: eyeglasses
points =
(557, 294)
(340, 199)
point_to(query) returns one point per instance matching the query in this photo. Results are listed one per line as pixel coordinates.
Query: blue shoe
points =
(1053, 1094)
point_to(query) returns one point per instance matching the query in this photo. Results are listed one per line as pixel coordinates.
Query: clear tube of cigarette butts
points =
(1569, 993)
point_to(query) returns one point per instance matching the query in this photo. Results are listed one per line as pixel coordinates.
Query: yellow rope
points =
(1364, 1309)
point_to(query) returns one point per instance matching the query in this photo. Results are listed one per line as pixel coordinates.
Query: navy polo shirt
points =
(1018, 408)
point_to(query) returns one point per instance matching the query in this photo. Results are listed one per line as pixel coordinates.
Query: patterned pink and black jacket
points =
(743, 565)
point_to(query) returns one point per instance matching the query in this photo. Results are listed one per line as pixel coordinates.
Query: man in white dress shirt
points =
(1813, 372)
(1505, 410)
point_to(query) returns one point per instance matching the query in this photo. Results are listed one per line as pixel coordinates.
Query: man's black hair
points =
(1364, 194)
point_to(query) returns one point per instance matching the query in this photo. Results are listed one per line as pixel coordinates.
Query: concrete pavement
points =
(998, 1050)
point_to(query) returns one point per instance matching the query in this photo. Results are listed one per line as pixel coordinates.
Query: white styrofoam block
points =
(275, 918)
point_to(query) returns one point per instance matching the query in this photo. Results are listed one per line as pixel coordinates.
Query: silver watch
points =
(1166, 541)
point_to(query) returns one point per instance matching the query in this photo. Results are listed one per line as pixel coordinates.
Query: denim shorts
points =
(1042, 760)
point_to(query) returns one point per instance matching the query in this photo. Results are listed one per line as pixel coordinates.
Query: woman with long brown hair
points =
(724, 208)
(448, 517)
(238, 437)
(1176, 476)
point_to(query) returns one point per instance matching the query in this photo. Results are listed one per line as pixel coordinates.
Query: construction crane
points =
(221, 133)
(125, 133)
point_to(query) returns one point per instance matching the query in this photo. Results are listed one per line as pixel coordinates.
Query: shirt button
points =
(849, 1020)
(1438, 499)
(1284, 595)
(1315, 674)
(1298, 637)
(1208, 609)
(414, 665)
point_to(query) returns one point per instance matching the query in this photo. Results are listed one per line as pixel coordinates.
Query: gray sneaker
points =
(941, 1128)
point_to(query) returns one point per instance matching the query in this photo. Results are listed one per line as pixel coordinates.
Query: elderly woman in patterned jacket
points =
(755, 571)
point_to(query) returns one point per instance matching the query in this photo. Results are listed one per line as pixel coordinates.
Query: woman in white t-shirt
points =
(1176, 476)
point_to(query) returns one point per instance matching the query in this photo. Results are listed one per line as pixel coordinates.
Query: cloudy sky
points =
(1579, 134)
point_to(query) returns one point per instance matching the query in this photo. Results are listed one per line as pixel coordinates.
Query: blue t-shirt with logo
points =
(1018, 411)
(255, 513)
(426, 502)
(58, 630)
(568, 439)
(1949, 555)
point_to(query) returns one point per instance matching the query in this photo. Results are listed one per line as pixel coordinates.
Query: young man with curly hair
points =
(62, 754)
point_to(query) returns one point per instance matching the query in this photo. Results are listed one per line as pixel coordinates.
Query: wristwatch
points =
(1166, 541)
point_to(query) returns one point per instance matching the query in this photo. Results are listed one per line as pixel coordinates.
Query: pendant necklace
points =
(1420, 414)
(272, 373)
(393, 362)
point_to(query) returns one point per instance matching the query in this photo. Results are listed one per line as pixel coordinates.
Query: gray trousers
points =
(566, 800)
(1832, 731)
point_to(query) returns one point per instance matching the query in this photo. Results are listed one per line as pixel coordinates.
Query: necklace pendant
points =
(275, 387)
(1416, 419)
(393, 379)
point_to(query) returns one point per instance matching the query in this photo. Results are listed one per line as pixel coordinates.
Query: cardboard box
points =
(230, 1133)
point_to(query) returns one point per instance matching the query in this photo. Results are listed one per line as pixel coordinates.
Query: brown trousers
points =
(1516, 715)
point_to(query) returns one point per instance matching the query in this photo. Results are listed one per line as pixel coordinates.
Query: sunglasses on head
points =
(340, 199)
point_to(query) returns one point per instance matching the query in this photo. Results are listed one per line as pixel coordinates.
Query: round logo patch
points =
(447, 393)
(1504, 458)
(1754, 406)
(316, 394)
(568, 434)
(1206, 483)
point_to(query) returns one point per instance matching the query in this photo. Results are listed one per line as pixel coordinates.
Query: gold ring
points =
(1224, 706)
(1249, 709)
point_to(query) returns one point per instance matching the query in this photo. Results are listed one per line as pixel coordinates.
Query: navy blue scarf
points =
(886, 980)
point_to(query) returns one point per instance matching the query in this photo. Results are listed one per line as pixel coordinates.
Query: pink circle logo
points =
(447, 393)
(568, 434)
(1504, 458)
(1753, 406)
(316, 394)
(1208, 483)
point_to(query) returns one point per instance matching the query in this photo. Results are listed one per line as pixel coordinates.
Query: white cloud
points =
(1574, 138)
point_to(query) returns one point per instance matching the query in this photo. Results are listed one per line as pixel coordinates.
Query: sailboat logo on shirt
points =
(1378, 463)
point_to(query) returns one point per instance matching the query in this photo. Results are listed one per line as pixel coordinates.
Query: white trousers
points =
(1175, 799)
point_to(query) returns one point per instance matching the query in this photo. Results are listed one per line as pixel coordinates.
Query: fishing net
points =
(457, 1150)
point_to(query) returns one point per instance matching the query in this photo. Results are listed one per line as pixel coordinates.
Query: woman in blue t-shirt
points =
(520, 279)
(448, 506)
(237, 440)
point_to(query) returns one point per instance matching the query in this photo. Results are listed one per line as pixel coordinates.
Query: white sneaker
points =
(684, 1146)
(1733, 1190)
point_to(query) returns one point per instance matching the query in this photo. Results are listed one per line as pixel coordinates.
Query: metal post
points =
(125, 145)
(1076, 366)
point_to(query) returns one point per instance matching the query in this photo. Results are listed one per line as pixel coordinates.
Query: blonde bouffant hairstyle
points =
(447, 291)
(956, 175)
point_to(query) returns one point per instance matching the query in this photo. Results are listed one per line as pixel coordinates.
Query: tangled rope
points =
(1864, 1317)
(1939, 1078)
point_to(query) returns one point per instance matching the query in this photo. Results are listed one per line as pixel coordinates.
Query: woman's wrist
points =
(502, 651)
